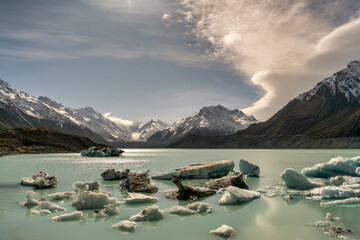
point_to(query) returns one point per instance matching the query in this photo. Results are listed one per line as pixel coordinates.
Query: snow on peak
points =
(345, 82)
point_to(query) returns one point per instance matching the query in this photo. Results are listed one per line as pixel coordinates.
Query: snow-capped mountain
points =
(20, 109)
(144, 131)
(330, 109)
(209, 121)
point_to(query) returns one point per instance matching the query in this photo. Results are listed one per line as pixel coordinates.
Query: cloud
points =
(118, 121)
(283, 46)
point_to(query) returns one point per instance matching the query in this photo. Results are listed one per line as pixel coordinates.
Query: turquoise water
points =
(264, 218)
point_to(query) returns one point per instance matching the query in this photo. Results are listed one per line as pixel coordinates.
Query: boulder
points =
(200, 171)
(40, 180)
(101, 152)
(229, 180)
(234, 195)
(248, 168)
(137, 183)
(186, 193)
(294, 179)
(150, 213)
(224, 231)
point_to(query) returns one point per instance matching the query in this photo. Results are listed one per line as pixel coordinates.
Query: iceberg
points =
(229, 180)
(93, 185)
(200, 207)
(336, 166)
(139, 198)
(43, 212)
(137, 183)
(180, 210)
(148, 214)
(31, 201)
(337, 181)
(199, 171)
(294, 179)
(330, 217)
(234, 195)
(68, 217)
(93, 199)
(112, 174)
(102, 152)
(248, 168)
(60, 196)
(127, 226)
(108, 211)
(224, 231)
(45, 205)
(40, 180)
(345, 202)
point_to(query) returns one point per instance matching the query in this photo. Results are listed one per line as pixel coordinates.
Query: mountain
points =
(209, 121)
(143, 131)
(326, 116)
(19, 109)
(40, 140)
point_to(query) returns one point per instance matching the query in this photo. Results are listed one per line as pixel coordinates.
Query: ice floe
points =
(45, 205)
(60, 196)
(224, 231)
(40, 180)
(101, 152)
(200, 207)
(40, 212)
(234, 195)
(31, 201)
(108, 211)
(232, 179)
(180, 210)
(139, 198)
(294, 179)
(76, 215)
(126, 225)
(248, 168)
(148, 214)
(337, 181)
(93, 185)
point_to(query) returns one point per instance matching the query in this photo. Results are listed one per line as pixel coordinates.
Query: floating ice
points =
(248, 168)
(92, 200)
(200, 170)
(128, 226)
(93, 185)
(139, 198)
(148, 214)
(40, 180)
(235, 195)
(224, 231)
(60, 196)
(345, 202)
(180, 210)
(31, 201)
(330, 217)
(40, 212)
(68, 217)
(200, 207)
(232, 179)
(296, 180)
(101, 152)
(45, 205)
(332, 192)
(336, 166)
(337, 181)
(109, 210)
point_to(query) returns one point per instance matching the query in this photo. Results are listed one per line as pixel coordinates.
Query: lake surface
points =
(264, 218)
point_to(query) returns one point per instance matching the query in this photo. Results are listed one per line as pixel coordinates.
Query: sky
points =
(166, 59)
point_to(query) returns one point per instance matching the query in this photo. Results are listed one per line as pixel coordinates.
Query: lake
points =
(263, 218)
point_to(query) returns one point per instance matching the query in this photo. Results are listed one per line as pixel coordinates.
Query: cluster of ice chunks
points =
(101, 152)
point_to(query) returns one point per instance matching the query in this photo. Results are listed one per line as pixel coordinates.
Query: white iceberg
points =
(93, 200)
(68, 217)
(234, 195)
(224, 231)
(248, 168)
(60, 196)
(126, 225)
(139, 198)
(148, 214)
(200, 170)
(93, 185)
(344, 202)
(294, 179)
(180, 210)
(31, 201)
(330, 217)
(40, 180)
(336, 166)
(45, 205)
(109, 210)
(200, 207)
(40, 212)
(332, 192)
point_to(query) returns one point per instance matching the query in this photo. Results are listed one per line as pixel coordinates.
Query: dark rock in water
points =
(136, 182)
(102, 152)
(229, 180)
(112, 174)
(186, 193)
(41, 180)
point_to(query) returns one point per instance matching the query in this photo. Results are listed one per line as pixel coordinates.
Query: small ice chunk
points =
(224, 231)
(109, 210)
(180, 210)
(235, 195)
(321, 224)
(148, 214)
(294, 179)
(31, 201)
(289, 196)
(68, 217)
(248, 168)
(93, 185)
(41, 212)
(200, 207)
(126, 225)
(332, 192)
(330, 217)
(60, 196)
(337, 181)
(344, 202)
(49, 206)
(139, 198)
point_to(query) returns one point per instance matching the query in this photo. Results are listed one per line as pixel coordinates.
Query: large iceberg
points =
(248, 168)
(40, 180)
(93, 199)
(102, 152)
(294, 179)
(234, 195)
(200, 170)
(336, 166)
(148, 214)
(224, 231)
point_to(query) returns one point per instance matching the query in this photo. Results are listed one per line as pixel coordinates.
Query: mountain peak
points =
(354, 65)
